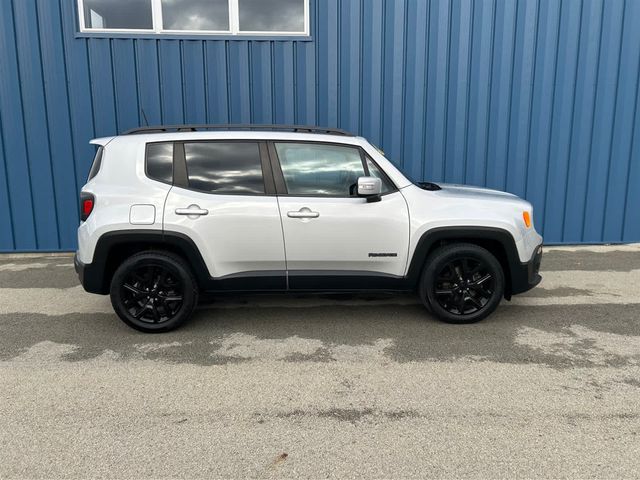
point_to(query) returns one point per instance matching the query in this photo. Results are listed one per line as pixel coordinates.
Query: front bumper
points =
(526, 275)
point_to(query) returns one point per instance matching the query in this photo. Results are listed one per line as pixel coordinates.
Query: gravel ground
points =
(334, 386)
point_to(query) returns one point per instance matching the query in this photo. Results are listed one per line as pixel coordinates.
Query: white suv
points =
(170, 212)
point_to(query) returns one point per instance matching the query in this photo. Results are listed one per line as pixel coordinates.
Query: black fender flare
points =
(431, 239)
(96, 275)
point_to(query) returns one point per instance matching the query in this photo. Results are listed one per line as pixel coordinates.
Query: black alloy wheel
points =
(462, 283)
(154, 291)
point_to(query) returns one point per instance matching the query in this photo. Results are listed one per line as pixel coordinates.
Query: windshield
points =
(425, 185)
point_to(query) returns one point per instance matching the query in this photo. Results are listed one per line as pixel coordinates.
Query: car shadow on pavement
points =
(328, 329)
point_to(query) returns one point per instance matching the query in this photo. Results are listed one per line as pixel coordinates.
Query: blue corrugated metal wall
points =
(535, 97)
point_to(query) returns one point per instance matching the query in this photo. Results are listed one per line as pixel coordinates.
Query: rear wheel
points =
(462, 283)
(154, 291)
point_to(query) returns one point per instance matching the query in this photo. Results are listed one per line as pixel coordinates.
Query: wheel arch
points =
(113, 248)
(498, 241)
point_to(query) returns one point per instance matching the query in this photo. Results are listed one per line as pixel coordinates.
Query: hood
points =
(471, 192)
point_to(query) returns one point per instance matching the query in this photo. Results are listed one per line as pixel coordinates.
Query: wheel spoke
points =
(139, 313)
(444, 279)
(155, 313)
(171, 298)
(475, 301)
(137, 277)
(444, 291)
(137, 293)
(460, 304)
(483, 292)
(165, 306)
(130, 302)
(481, 280)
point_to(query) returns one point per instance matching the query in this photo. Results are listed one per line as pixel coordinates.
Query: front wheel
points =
(154, 291)
(462, 283)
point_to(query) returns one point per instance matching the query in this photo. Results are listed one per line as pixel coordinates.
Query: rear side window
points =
(224, 167)
(97, 162)
(159, 163)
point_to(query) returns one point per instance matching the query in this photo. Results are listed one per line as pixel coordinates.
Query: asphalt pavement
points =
(366, 386)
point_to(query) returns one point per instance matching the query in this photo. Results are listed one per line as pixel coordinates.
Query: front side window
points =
(320, 170)
(224, 167)
(229, 17)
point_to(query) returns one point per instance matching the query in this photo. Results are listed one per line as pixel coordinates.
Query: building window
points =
(195, 17)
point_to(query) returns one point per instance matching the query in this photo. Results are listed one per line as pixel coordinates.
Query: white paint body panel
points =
(241, 233)
(120, 183)
(463, 206)
(346, 231)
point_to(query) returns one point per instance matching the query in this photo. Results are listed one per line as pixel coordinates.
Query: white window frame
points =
(156, 13)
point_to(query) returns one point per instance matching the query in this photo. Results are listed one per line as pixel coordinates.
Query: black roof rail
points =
(196, 127)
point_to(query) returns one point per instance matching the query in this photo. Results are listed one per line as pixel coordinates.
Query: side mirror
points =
(370, 188)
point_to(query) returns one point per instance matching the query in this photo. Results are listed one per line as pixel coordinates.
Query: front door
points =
(333, 238)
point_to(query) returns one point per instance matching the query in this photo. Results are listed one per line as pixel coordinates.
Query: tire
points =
(154, 291)
(462, 283)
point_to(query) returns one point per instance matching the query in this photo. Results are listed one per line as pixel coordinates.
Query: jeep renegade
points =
(174, 211)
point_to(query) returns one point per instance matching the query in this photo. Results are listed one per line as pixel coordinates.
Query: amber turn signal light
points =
(527, 219)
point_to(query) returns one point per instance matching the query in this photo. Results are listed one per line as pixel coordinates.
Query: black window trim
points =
(96, 165)
(181, 176)
(385, 177)
(281, 186)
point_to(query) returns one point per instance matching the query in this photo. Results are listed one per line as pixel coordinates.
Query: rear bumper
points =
(526, 275)
(90, 277)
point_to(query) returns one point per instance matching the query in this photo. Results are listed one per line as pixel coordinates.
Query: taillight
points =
(87, 201)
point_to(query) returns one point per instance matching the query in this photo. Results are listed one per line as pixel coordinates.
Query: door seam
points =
(284, 242)
(164, 207)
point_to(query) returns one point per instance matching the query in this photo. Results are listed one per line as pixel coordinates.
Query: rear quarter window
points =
(159, 162)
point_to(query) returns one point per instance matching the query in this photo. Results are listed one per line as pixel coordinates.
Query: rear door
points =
(223, 198)
(333, 238)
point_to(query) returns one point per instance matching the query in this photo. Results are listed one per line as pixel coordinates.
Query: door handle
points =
(192, 210)
(304, 212)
